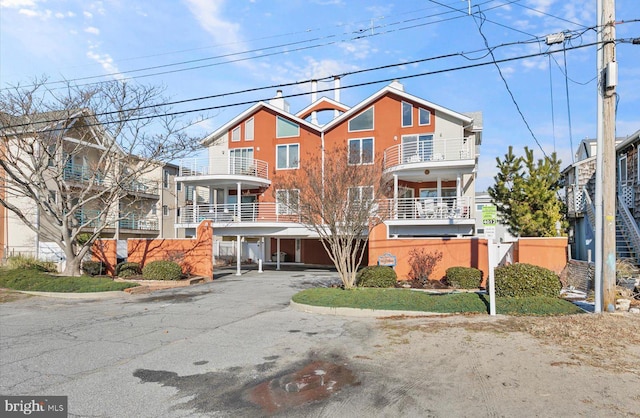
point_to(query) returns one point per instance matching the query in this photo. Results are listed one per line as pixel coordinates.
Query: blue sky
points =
(243, 44)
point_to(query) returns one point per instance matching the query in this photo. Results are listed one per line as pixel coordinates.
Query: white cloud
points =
(540, 5)
(106, 62)
(359, 49)
(92, 30)
(88, 15)
(209, 14)
(535, 64)
(17, 4)
(59, 15)
(28, 12)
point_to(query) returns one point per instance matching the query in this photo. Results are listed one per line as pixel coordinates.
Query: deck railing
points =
(224, 165)
(453, 149)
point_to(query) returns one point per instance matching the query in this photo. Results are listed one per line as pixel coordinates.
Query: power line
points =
(387, 80)
(513, 99)
(566, 86)
(360, 35)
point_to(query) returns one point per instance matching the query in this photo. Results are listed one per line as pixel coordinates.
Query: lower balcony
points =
(139, 223)
(430, 208)
(228, 213)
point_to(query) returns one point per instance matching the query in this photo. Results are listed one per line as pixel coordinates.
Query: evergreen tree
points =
(526, 194)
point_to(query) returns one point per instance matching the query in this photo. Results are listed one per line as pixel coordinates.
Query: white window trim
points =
(428, 112)
(402, 114)
(287, 145)
(373, 151)
(289, 121)
(360, 190)
(626, 171)
(373, 120)
(233, 131)
(165, 179)
(165, 210)
(246, 131)
(286, 209)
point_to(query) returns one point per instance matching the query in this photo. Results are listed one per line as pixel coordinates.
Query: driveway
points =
(234, 347)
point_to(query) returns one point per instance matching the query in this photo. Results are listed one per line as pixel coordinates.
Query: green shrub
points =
(31, 263)
(128, 269)
(93, 268)
(162, 270)
(376, 276)
(525, 280)
(464, 277)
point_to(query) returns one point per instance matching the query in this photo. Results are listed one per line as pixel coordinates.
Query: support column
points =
(238, 254)
(395, 196)
(238, 199)
(277, 253)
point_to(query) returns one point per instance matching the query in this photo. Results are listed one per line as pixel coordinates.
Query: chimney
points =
(314, 97)
(279, 102)
(336, 94)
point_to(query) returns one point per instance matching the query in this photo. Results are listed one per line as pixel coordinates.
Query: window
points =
(287, 156)
(179, 186)
(286, 129)
(417, 148)
(444, 192)
(154, 210)
(622, 169)
(360, 194)
(287, 201)
(235, 135)
(165, 210)
(188, 193)
(248, 130)
(241, 160)
(407, 114)
(362, 122)
(424, 117)
(361, 151)
(51, 151)
(165, 179)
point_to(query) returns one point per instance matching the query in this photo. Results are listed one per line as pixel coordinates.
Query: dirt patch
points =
(8, 295)
(606, 341)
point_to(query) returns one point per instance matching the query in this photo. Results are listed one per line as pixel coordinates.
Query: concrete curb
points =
(359, 313)
(70, 295)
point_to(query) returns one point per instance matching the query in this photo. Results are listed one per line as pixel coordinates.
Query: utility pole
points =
(608, 79)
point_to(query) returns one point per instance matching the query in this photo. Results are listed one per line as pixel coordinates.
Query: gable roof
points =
(323, 99)
(391, 89)
(215, 135)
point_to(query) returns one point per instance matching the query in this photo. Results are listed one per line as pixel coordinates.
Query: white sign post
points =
(492, 250)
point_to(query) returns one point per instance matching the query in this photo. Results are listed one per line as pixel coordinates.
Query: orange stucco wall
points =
(465, 252)
(387, 132)
(195, 255)
(550, 253)
(105, 250)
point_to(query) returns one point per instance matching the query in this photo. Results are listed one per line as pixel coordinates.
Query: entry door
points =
(298, 249)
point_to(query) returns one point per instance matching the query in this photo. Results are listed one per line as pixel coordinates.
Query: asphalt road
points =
(235, 348)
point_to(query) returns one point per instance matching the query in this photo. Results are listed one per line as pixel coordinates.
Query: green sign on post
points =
(489, 220)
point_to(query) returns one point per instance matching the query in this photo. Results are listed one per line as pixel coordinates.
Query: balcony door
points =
(417, 148)
(241, 161)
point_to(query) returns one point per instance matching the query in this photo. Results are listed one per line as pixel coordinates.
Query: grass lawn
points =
(34, 280)
(409, 300)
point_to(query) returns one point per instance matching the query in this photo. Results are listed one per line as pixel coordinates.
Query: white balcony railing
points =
(224, 165)
(404, 209)
(228, 213)
(428, 208)
(454, 149)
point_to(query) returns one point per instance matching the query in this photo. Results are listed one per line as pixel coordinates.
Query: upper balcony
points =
(80, 173)
(433, 154)
(224, 171)
(143, 187)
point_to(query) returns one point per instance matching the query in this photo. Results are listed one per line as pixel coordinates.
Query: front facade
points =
(146, 209)
(430, 153)
(580, 184)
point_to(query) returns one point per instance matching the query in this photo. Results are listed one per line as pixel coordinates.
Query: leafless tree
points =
(73, 160)
(338, 198)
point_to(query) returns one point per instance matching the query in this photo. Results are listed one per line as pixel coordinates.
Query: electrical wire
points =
(553, 119)
(504, 80)
(360, 35)
(566, 86)
(387, 80)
